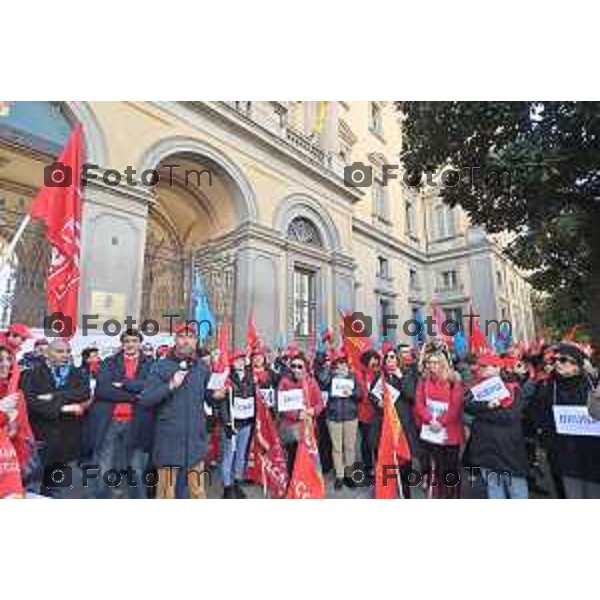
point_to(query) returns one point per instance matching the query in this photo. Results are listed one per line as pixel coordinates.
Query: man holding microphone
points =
(176, 388)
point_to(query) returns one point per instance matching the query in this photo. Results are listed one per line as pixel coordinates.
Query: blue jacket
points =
(180, 437)
(101, 410)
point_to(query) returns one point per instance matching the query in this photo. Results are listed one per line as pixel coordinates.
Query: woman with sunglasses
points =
(439, 414)
(16, 439)
(574, 458)
(291, 422)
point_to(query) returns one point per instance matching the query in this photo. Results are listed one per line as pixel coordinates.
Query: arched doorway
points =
(196, 209)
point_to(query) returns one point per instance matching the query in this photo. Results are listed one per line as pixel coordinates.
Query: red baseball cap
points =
(21, 330)
(490, 360)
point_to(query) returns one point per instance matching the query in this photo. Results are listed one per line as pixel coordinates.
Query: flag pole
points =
(8, 252)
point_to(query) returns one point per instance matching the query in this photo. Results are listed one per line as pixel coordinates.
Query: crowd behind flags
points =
(295, 425)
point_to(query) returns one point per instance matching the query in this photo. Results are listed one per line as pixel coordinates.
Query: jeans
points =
(115, 453)
(234, 455)
(503, 486)
(580, 488)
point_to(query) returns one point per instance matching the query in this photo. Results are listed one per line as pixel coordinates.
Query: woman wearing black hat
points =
(574, 457)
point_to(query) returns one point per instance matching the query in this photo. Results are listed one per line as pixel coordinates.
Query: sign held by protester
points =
(290, 400)
(491, 389)
(575, 420)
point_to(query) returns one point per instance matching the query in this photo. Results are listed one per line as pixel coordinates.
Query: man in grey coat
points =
(176, 388)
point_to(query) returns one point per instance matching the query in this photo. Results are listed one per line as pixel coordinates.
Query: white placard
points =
(217, 381)
(437, 409)
(268, 395)
(290, 400)
(490, 389)
(208, 411)
(378, 391)
(340, 384)
(243, 408)
(324, 398)
(575, 420)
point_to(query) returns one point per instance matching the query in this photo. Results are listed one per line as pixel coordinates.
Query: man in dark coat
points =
(55, 392)
(176, 389)
(122, 429)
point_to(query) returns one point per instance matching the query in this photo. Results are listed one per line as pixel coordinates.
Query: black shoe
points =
(229, 492)
(339, 483)
(238, 491)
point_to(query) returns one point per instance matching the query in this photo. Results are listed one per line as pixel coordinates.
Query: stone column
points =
(113, 239)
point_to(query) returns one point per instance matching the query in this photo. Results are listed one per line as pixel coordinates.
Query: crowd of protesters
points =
(181, 409)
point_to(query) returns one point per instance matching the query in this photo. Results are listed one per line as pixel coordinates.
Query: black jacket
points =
(99, 416)
(242, 388)
(60, 432)
(571, 455)
(341, 408)
(497, 441)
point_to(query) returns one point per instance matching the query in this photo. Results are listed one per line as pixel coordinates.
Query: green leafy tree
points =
(532, 168)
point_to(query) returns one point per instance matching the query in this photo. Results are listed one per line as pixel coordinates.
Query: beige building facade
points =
(252, 201)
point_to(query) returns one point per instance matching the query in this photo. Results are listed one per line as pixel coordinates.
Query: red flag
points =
(477, 341)
(439, 318)
(266, 460)
(307, 481)
(251, 333)
(60, 209)
(222, 361)
(393, 450)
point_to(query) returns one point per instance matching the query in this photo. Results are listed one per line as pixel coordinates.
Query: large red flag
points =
(59, 207)
(393, 450)
(222, 362)
(307, 482)
(266, 461)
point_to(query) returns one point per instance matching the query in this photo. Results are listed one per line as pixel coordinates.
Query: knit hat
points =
(571, 351)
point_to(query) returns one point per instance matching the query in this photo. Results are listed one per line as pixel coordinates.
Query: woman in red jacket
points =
(438, 408)
(16, 438)
(290, 422)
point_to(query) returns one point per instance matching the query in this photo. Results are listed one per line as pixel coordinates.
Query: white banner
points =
(290, 400)
(437, 409)
(575, 420)
(217, 381)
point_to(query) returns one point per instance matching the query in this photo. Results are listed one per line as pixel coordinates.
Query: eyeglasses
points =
(297, 366)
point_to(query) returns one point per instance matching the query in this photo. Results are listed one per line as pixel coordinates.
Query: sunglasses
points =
(565, 360)
(297, 366)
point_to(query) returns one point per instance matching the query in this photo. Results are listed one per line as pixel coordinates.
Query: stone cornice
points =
(286, 150)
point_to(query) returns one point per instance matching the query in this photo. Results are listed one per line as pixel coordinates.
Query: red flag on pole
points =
(266, 460)
(59, 206)
(307, 482)
(478, 343)
(222, 361)
(393, 450)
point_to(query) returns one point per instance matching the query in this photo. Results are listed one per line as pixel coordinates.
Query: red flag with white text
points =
(59, 206)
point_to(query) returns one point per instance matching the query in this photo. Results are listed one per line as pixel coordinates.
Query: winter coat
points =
(107, 395)
(60, 432)
(575, 456)
(340, 408)
(180, 436)
(497, 441)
